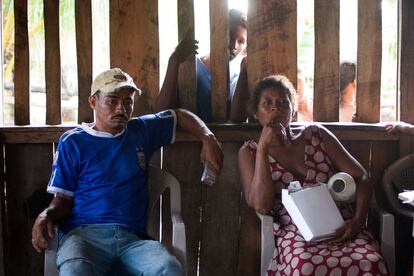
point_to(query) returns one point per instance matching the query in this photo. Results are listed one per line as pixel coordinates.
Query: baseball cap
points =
(112, 80)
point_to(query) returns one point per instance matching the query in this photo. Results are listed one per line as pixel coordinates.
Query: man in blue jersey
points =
(99, 179)
(168, 97)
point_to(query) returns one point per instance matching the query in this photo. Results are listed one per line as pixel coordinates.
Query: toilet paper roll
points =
(342, 187)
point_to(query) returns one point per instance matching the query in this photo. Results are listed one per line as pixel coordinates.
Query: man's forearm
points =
(58, 209)
(192, 124)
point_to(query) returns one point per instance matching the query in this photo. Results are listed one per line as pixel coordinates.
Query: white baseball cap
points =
(111, 81)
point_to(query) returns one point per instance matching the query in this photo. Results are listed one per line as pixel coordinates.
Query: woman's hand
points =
(273, 132)
(348, 230)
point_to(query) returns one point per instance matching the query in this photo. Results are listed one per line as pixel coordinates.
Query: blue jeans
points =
(112, 250)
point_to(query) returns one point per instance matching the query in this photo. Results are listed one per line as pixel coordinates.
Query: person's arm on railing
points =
(211, 148)
(400, 127)
(42, 230)
(168, 93)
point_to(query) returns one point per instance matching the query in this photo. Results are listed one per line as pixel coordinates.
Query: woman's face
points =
(274, 108)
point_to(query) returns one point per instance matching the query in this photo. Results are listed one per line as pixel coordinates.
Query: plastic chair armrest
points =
(267, 242)
(178, 227)
(50, 256)
(386, 235)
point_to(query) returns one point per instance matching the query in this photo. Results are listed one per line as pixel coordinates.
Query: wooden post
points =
(369, 60)
(21, 61)
(326, 81)
(83, 21)
(187, 78)
(271, 40)
(28, 168)
(52, 62)
(219, 58)
(220, 218)
(406, 18)
(134, 46)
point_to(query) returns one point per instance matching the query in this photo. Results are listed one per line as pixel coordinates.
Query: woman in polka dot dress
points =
(309, 155)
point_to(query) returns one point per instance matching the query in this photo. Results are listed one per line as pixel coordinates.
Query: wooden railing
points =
(272, 48)
(222, 232)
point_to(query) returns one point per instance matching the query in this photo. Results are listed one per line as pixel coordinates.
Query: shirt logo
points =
(140, 158)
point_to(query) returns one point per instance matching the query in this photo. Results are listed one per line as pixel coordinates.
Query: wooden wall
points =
(272, 48)
(222, 232)
(225, 240)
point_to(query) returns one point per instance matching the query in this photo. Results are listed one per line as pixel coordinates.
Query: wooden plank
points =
(383, 154)
(52, 62)
(250, 242)
(3, 228)
(369, 60)
(326, 81)
(28, 170)
(181, 160)
(406, 77)
(153, 224)
(187, 78)
(220, 218)
(271, 40)
(21, 67)
(219, 58)
(223, 132)
(83, 24)
(134, 46)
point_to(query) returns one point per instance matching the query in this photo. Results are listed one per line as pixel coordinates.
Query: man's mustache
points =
(120, 116)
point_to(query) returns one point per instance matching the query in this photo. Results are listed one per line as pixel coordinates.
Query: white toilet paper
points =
(342, 187)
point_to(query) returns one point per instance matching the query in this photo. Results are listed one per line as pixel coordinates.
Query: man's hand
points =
(186, 48)
(348, 230)
(42, 231)
(212, 152)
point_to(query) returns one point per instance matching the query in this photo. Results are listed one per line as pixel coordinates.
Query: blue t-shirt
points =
(204, 87)
(107, 174)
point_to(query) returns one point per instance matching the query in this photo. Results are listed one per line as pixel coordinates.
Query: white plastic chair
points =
(158, 181)
(386, 232)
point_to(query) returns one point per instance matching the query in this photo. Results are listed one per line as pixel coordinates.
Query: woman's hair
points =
(347, 73)
(277, 82)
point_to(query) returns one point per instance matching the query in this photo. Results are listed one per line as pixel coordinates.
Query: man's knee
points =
(169, 266)
(76, 266)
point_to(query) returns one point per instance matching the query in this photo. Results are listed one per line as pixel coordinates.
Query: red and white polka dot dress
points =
(295, 256)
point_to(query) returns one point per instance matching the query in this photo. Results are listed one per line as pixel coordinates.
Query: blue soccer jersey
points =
(107, 174)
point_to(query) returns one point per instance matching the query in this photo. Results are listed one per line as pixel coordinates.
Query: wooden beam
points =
(219, 58)
(52, 62)
(326, 80)
(134, 46)
(369, 60)
(187, 78)
(271, 40)
(83, 22)
(406, 78)
(223, 132)
(21, 67)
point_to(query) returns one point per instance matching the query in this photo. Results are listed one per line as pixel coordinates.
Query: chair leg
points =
(388, 241)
